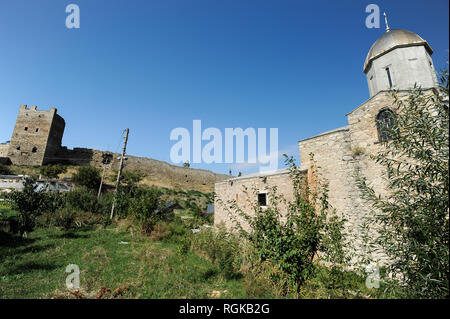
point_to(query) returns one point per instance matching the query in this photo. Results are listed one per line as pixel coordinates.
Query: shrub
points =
(290, 241)
(221, 248)
(414, 215)
(143, 206)
(64, 218)
(82, 199)
(87, 176)
(30, 202)
(52, 171)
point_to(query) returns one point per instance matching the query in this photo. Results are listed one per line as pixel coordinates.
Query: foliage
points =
(131, 178)
(82, 199)
(5, 170)
(87, 176)
(187, 164)
(30, 202)
(290, 241)
(221, 248)
(414, 215)
(143, 206)
(52, 171)
(334, 251)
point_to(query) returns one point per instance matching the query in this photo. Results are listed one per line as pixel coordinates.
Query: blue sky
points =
(153, 66)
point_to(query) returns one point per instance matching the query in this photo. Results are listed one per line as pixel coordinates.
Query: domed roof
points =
(392, 39)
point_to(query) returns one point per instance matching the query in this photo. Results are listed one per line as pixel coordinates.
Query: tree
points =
(29, 202)
(52, 171)
(187, 164)
(292, 239)
(87, 176)
(414, 215)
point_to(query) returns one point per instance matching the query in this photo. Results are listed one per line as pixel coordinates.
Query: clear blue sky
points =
(156, 65)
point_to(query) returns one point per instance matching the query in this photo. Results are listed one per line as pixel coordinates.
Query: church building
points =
(398, 60)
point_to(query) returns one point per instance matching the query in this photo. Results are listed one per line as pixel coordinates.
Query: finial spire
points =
(386, 22)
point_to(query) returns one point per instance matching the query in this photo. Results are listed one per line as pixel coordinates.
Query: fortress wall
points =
(4, 150)
(157, 172)
(30, 138)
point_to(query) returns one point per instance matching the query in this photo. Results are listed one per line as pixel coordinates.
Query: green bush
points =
(87, 176)
(414, 215)
(221, 248)
(52, 171)
(289, 239)
(30, 203)
(143, 206)
(82, 199)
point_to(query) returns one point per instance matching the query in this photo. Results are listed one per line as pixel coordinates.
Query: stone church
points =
(398, 60)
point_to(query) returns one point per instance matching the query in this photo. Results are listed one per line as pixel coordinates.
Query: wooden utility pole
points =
(120, 171)
(106, 159)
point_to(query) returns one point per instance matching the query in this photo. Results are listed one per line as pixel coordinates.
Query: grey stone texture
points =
(4, 150)
(243, 192)
(37, 136)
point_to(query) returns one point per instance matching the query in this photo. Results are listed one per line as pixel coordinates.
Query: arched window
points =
(385, 123)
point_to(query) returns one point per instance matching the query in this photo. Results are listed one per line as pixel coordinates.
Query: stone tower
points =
(398, 60)
(37, 136)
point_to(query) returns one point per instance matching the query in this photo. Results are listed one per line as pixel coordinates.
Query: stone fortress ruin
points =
(37, 136)
(37, 141)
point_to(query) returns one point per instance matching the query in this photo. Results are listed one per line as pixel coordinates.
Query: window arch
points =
(385, 123)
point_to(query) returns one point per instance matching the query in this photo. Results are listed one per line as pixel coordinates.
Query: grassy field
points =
(111, 261)
(120, 262)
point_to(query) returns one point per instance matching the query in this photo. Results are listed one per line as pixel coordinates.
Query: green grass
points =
(35, 267)
(142, 267)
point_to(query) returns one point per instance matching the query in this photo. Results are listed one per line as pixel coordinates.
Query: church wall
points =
(332, 152)
(234, 190)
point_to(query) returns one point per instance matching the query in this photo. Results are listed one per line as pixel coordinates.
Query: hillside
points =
(155, 172)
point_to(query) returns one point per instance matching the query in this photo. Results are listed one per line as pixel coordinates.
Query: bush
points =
(52, 171)
(414, 215)
(64, 218)
(291, 240)
(221, 248)
(143, 206)
(82, 199)
(87, 176)
(5, 170)
(30, 202)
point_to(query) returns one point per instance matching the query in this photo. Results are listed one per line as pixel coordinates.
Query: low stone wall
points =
(243, 191)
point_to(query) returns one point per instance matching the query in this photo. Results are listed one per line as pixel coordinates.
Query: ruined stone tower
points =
(37, 136)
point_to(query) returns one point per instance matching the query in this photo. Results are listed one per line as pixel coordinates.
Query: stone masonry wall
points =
(36, 134)
(4, 150)
(233, 190)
